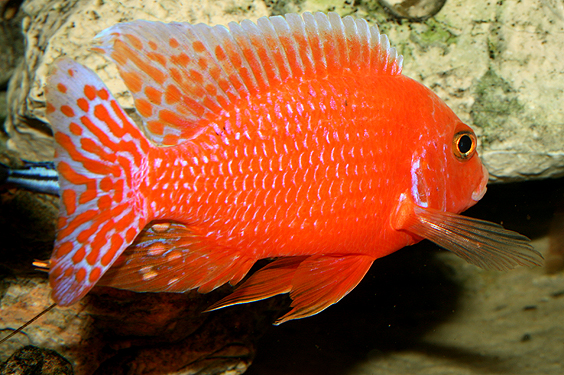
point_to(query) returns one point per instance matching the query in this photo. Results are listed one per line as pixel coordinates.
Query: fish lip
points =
(482, 188)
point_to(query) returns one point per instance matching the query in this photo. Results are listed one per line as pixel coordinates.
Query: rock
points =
(11, 39)
(116, 332)
(497, 65)
(3, 106)
(31, 360)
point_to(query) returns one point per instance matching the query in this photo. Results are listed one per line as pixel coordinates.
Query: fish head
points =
(446, 171)
(466, 175)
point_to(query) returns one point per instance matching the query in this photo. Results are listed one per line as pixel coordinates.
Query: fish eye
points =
(464, 145)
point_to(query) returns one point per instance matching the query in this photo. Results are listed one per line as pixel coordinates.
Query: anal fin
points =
(175, 260)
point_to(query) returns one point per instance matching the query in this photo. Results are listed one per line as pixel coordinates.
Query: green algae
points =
(495, 101)
(433, 33)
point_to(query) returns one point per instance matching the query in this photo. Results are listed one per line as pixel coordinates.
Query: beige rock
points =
(34, 360)
(497, 64)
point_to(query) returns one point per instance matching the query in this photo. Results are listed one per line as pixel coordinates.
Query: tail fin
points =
(101, 158)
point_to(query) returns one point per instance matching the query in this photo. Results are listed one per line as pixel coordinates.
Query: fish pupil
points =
(464, 144)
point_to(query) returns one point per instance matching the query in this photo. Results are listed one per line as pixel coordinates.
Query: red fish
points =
(295, 138)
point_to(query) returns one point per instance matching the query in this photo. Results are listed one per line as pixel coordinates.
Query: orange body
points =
(315, 167)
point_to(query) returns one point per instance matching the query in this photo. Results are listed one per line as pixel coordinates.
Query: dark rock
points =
(31, 360)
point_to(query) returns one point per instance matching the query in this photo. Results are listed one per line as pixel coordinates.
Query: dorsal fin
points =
(180, 75)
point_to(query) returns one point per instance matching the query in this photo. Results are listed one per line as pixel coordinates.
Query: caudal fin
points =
(100, 157)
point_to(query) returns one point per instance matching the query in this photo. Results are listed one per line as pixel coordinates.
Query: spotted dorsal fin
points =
(181, 74)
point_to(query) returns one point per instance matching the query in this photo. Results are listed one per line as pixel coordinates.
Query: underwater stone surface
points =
(31, 360)
(497, 64)
(3, 106)
(11, 39)
(118, 332)
(414, 10)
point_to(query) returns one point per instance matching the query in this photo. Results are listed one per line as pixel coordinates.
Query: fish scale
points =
(295, 138)
(284, 179)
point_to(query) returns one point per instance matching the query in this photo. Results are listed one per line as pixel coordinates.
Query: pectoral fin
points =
(482, 243)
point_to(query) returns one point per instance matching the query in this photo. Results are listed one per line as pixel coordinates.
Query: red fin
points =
(321, 281)
(180, 73)
(98, 151)
(314, 283)
(482, 243)
(175, 260)
(273, 279)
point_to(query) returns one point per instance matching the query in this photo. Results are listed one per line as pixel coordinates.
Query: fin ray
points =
(482, 243)
(321, 281)
(273, 279)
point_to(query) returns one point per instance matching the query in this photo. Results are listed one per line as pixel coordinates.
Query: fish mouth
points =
(481, 190)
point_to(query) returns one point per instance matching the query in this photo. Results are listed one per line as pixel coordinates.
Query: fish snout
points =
(481, 189)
